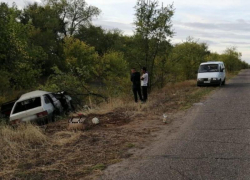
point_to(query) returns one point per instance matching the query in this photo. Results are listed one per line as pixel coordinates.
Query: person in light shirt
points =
(144, 84)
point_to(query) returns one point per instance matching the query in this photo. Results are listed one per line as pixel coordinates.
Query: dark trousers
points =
(137, 90)
(145, 93)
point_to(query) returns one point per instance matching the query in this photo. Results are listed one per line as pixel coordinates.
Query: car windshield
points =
(27, 104)
(208, 68)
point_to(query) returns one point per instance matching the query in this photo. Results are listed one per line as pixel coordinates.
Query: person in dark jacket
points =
(136, 87)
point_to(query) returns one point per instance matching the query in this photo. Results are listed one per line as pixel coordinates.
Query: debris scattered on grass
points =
(198, 104)
(164, 118)
(95, 120)
(122, 125)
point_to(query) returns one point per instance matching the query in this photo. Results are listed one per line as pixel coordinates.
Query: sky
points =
(219, 23)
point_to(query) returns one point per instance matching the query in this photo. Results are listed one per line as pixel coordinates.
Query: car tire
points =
(46, 121)
(52, 118)
(42, 122)
(220, 83)
(224, 82)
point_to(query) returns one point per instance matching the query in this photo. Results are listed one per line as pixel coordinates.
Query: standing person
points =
(144, 84)
(135, 78)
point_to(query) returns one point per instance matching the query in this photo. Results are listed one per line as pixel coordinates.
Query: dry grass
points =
(16, 142)
(62, 138)
(23, 134)
(171, 98)
(113, 104)
(31, 153)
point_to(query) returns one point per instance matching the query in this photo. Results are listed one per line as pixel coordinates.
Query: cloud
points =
(242, 43)
(238, 26)
(125, 27)
(20, 3)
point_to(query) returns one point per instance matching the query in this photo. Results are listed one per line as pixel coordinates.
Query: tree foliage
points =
(18, 57)
(114, 72)
(54, 46)
(103, 40)
(189, 55)
(153, 31)
(74, 13)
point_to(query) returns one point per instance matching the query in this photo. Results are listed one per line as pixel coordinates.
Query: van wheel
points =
(224, 82)
(220, 83)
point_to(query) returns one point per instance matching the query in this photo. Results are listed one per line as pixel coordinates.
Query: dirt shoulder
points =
(123, 129)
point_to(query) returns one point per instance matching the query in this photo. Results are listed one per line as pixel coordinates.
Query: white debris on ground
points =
(164, 118)
(95, 120)
(86, 108)
(198, 104)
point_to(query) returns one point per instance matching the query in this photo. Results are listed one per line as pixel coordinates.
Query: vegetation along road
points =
(212, 141)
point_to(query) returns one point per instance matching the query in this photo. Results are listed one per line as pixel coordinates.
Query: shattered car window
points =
(27, 104)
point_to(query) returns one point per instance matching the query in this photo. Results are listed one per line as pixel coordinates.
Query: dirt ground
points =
(84, 154)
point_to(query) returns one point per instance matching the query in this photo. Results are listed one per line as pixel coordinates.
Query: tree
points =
(45, 33)
(18, 57)
(153, 29)
(188, 56)
(232, 59)
(79, 55)
(103, 40)
(114, 73)
(5, 13)
(74, 13)
(81, 70)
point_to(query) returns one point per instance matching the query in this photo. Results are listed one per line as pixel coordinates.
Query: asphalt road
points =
(211, 141)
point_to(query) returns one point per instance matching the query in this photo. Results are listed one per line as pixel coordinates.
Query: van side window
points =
(52, 97)
(46, 100)
(27, 105)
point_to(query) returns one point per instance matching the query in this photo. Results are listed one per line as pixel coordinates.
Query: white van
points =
(211, 73)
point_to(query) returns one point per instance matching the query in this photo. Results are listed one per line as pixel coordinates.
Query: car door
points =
(56, 103)
(221, 72)
(48, 106)
(224, 71)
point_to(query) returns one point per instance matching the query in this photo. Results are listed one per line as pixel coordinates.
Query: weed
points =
(29, 176)
(130, 145)
(99, 166)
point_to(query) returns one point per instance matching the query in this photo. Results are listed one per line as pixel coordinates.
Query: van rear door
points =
(26, 110)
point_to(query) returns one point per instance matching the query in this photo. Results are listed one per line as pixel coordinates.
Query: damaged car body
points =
(37, 106)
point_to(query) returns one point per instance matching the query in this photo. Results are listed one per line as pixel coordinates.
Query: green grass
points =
(196, 96)
(99, 166)
(130, 145)
(201, 92)
(29, 176)
(4, 121)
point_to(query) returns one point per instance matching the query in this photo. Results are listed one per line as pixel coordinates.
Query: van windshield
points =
(208, 68)
(27, 104)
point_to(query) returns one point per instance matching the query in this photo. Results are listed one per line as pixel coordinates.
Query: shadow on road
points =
(237, 85)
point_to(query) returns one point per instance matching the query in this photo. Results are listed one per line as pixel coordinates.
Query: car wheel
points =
(52, 117)
(41, 122)
(224, 82)
(46, 121)
(220, 83)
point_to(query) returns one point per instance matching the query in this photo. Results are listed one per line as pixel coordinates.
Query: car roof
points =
(33, 94)
(212, 62)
